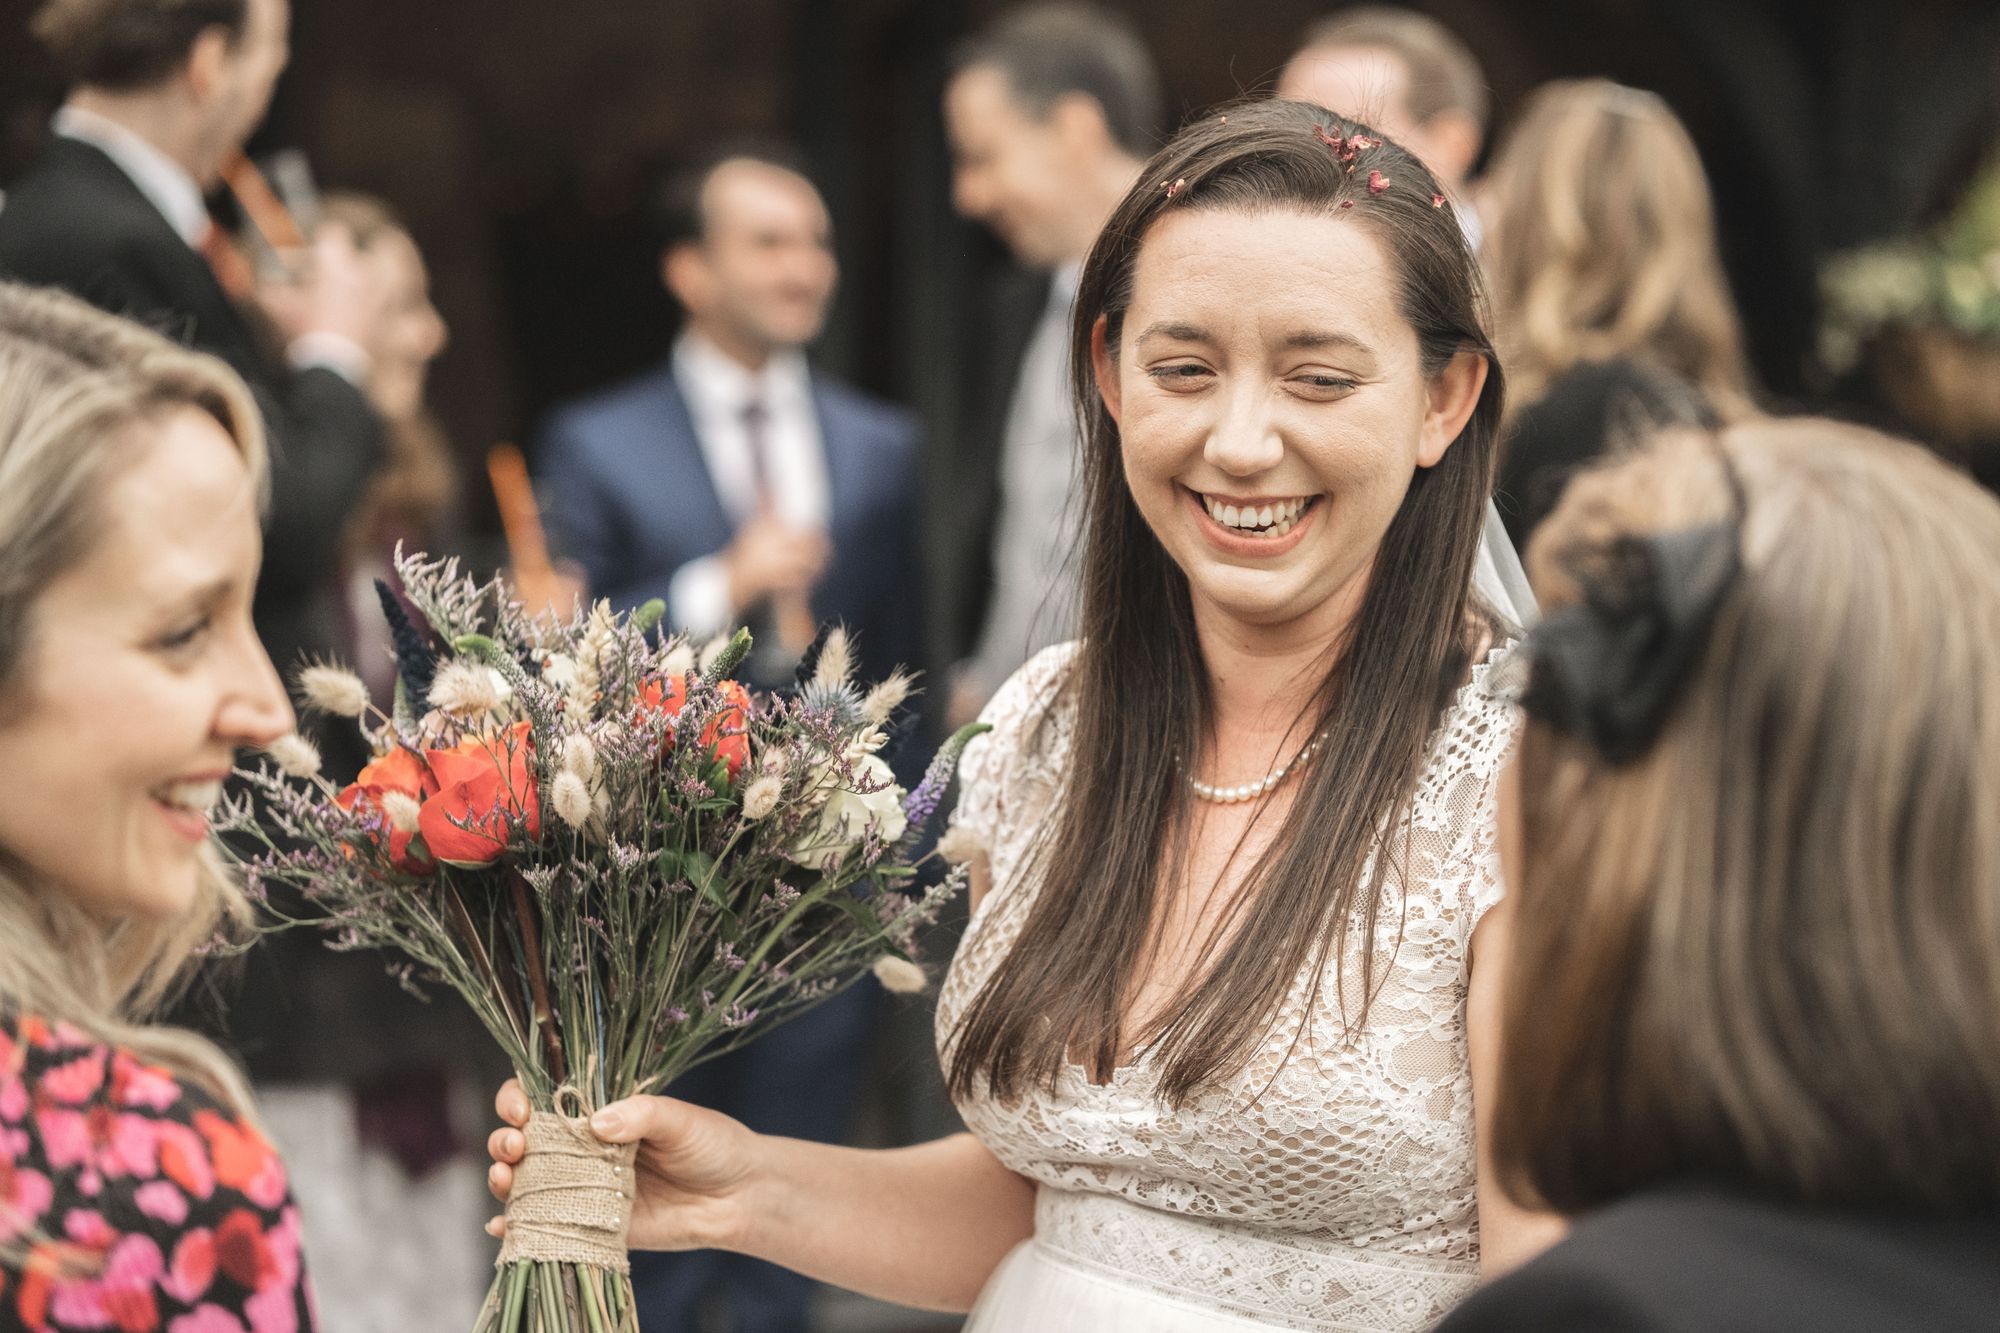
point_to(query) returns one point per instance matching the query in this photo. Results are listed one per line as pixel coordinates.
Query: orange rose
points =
(483, 787)
(727, 733)
(400, 771)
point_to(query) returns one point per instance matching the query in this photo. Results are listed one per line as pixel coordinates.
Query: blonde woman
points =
(136, 1190)
(1756, 879)
(1608, 292)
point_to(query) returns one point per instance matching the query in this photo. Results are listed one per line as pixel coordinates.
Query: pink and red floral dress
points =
(133, 1202)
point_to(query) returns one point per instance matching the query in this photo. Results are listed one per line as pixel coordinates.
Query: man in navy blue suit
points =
(744, 487)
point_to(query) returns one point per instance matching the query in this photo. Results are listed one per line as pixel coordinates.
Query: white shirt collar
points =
(719, 385)
(164, 182)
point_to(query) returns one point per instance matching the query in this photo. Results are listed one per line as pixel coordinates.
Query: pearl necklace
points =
(1250, 791)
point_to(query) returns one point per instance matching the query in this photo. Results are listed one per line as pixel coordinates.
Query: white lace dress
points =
(1343, 1198)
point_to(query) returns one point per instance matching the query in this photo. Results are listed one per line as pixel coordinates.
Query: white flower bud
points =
(570, 796)
(334, 690)
(295, 754)
(678, 661)
(900, 975)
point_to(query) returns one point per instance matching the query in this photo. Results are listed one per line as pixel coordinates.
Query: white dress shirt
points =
(170, 188)
(718, 388)
(1034, 599)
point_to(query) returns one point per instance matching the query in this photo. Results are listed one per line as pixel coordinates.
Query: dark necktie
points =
(787, 628)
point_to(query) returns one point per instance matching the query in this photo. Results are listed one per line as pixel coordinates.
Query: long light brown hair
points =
(1141, 691)
(1601, 246)
(1767, 952)
(74, 384)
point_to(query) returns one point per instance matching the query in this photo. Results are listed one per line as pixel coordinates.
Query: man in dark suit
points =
(742, 486)
(166, 92)
(734, 481)
(1050, 112)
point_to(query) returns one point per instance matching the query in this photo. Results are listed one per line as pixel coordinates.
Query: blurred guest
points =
(131, 473)
(413, 498)
(735, 481)
(740, 484)
(1755, 880)
(392, 1200)
(1050, 113)
(1613, 311)
(165, 94)
(1407, 75)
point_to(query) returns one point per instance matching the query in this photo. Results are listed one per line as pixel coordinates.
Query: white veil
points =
(1498, 577)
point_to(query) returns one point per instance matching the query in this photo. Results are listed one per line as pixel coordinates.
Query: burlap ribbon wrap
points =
(572, 1197)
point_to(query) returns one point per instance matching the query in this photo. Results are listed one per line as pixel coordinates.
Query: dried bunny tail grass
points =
(760, 798)
(464, 689)
(678, 661)
(570, 795)
(959, 845)
(579, 756)
(333, 689)
(402, 810)
(295, 755)
(883, 701)
(836, 660)
(900, 976)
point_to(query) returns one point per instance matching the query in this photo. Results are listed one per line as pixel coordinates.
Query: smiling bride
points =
(1229, 992)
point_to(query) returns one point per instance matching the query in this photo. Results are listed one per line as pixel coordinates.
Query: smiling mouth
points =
(1264, 518)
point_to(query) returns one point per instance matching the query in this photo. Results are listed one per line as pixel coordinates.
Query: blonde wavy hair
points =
(74, 384)
(1601, 246)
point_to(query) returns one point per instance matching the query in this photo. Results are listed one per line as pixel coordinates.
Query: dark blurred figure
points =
(1407, 75)
(165, 94)
(735, 481)
(1754, 889)
(740, 484)
(1608, 292)
(1050, 113)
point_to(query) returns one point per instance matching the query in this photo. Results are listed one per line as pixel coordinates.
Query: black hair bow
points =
(1609, 667)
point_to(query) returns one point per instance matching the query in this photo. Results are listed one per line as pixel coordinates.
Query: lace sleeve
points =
(991, 762)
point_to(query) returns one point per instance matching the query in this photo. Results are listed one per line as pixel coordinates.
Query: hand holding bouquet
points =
(623, 860)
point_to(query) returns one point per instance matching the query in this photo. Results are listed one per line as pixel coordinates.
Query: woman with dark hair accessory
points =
(1231, 978)
(1752, 831)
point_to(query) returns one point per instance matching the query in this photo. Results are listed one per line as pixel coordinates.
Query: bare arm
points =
(1509, 1235)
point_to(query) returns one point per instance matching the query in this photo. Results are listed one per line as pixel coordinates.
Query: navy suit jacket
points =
(628, 494)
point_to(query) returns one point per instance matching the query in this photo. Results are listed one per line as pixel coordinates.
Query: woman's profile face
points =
(141, 680)
(1272, 406)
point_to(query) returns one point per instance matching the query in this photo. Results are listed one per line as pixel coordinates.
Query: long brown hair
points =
(1602, 246)
(1766, 952)
(1141, 691)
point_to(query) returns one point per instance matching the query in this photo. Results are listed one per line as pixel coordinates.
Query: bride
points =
(1229, 992)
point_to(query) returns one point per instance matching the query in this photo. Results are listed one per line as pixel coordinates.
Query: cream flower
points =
(849, 814)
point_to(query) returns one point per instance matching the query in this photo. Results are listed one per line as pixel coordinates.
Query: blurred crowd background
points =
(523, 173)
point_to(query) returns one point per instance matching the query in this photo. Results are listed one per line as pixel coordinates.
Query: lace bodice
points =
(1344, 1196)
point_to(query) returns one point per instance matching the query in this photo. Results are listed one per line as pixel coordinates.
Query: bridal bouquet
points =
(623, 860)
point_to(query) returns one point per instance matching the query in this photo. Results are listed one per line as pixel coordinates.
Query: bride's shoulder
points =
(1029, 719)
